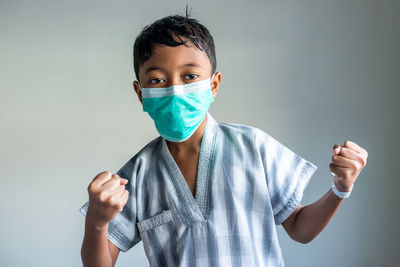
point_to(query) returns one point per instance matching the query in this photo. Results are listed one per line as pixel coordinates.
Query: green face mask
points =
(178, 110)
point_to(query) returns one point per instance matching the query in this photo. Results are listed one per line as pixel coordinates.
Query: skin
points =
(306, 222)
(169, 67)
(106, 194)
(107, 197)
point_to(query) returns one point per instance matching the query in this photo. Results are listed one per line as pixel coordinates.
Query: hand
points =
(347, 162)
(107, 197)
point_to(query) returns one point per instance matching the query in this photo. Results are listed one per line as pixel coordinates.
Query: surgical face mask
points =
(178, 110)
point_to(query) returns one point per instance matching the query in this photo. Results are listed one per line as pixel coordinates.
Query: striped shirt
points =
(247, 184)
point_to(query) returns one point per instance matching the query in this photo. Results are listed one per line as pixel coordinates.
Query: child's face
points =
(169, 66)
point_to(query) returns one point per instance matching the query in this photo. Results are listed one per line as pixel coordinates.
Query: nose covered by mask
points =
(178, 110)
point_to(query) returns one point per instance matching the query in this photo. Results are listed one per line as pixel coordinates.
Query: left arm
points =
(305, 223)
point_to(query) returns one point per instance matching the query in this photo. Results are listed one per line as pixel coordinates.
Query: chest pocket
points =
(155, 221)
(158, 234)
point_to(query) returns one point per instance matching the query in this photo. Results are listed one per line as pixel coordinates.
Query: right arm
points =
(96, 249)
(107, 197)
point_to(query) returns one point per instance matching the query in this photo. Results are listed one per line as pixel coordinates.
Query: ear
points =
(137, 90)
(215, 83)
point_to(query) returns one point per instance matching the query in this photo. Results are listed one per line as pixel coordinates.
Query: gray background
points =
(309, 73)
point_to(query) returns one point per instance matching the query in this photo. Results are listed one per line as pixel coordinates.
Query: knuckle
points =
(105, 173)
(102, 196)
(112, 182)
(90, 187)
(356, 167)
(110, 201)
(120, 205)
(335, 146)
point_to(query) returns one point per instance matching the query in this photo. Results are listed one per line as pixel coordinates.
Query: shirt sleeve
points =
(287, 176)
(122, 229)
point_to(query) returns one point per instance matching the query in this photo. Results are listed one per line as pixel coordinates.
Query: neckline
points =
(196, 206)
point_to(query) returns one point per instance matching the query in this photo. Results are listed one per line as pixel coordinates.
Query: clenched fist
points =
(347, 162)
(107, 198)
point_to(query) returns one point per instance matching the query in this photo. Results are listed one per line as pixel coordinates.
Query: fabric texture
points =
(247, 184)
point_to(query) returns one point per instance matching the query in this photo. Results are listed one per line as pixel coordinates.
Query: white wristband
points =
(341, 194)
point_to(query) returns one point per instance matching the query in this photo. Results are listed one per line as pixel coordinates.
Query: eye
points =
(155, 81)
(191, 76)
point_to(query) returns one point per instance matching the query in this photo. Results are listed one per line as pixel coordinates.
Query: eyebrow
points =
(192, 64)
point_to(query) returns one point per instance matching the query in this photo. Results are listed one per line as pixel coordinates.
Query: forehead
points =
(172, 58)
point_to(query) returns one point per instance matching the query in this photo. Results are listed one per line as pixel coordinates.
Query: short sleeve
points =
(122, 229)
(287, 175)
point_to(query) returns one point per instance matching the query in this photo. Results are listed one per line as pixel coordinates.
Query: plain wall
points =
(309, 73)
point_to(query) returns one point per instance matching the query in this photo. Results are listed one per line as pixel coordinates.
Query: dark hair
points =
(163, 31)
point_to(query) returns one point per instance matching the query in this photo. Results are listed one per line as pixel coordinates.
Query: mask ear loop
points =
(212, 77)
(140, 86)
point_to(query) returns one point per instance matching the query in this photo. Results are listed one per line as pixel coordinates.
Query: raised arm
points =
(107, 197)
(305, 223)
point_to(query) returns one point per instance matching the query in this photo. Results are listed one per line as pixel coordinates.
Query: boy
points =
(203, 193)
